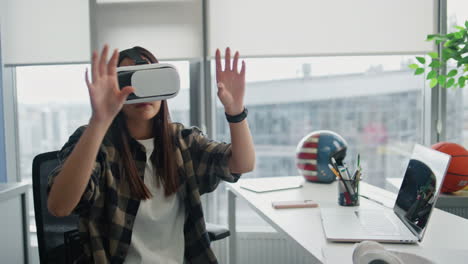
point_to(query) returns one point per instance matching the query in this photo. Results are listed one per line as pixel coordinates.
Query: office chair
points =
(58, 237)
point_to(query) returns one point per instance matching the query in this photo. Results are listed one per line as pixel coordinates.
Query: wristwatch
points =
(237, 118)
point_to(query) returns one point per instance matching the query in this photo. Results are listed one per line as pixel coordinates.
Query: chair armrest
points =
(217, 232)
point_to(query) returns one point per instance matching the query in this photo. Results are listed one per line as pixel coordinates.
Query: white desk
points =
(14, 223)
(303, 227)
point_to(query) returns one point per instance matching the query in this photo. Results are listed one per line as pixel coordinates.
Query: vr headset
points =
(152, 82)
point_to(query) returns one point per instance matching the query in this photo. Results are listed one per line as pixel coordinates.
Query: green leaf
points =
(450, 51)
(433, 55)
(452, 73)
(436, 37)
(460, 28)
(450, 82)
(434, 64)
(433, 83)
(442, 80)
(464, 49)
(419, 71)
(461, 81)
(421, 60)
(431, 75)
(413, 66)
(458, 35)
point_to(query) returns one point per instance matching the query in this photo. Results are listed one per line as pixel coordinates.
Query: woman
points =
(135, 178)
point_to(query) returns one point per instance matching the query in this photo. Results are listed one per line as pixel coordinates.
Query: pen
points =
(347, 181)
(355, 175)
(344, 174)
(335, 165)
(347, 171)
(359, 161)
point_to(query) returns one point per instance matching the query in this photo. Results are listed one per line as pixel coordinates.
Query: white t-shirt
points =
(158, 231)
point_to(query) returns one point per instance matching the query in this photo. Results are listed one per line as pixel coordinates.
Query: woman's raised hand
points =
(106, 97)
(231, 83)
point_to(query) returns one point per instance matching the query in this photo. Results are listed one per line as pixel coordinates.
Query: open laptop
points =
(408, 220)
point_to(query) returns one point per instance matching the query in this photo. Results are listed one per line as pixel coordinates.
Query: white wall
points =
(45, 31)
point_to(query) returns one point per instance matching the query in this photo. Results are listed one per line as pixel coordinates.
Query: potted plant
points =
(454, 50)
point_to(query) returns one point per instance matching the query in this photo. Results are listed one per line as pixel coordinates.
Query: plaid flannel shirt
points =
(107, 211)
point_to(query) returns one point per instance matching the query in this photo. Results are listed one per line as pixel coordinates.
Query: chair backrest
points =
(50, 229)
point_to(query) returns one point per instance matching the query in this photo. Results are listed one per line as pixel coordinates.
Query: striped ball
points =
(314, 152)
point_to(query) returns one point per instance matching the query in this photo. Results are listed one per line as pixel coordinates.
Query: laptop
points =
(408, 221)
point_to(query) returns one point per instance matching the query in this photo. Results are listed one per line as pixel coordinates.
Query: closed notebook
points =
(270, 184)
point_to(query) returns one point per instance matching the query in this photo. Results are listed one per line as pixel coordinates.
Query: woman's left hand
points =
(231, 83)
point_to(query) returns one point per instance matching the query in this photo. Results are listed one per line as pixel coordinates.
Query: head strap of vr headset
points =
(133, 54)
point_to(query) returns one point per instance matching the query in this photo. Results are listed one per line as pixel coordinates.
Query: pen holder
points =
(348, 192)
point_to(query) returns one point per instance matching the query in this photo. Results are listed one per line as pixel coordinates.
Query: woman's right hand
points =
(106, 97)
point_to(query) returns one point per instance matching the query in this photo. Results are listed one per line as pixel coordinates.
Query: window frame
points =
(10, 108)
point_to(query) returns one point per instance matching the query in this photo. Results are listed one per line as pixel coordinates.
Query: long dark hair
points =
(163, 159)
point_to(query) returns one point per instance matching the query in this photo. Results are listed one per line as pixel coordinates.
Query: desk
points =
(303, 226)
(14, 233)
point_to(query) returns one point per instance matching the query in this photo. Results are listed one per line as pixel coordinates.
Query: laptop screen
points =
(420, 187)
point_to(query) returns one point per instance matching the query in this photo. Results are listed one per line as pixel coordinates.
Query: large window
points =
(53, 102)
(457, 106)
(374, 102)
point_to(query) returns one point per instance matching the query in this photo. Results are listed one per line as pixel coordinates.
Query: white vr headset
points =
(152, 82)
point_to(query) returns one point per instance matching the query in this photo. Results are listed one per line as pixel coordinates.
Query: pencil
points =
(334, 171)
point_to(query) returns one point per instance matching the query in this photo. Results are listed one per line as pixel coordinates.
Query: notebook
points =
(270, 184)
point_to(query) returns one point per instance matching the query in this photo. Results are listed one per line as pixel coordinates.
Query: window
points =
(179, 106)
(53, 102)
(374, 102)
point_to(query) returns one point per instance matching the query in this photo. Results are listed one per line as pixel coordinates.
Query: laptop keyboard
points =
(377, 223)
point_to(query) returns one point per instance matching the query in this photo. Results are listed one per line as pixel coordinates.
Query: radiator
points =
(456, 204)
(460, 211)
(262, 248)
